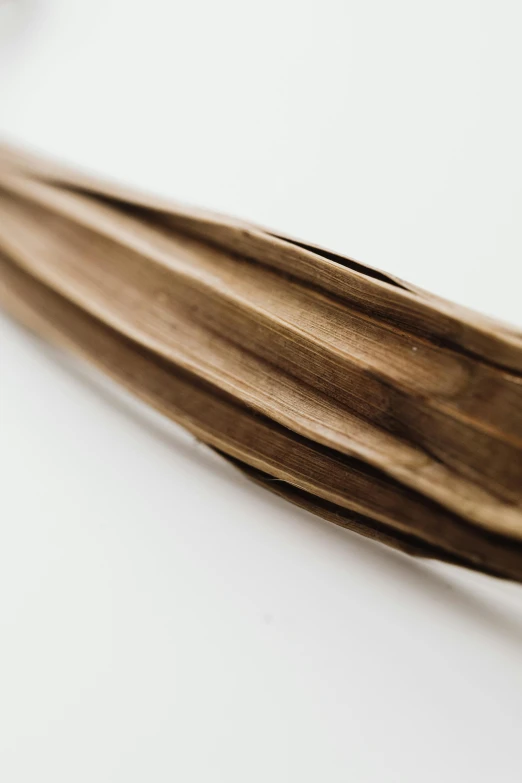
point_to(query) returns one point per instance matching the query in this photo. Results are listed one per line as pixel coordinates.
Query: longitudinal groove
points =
(374, 405)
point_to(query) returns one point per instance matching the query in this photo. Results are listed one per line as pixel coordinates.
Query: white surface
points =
(163, 619)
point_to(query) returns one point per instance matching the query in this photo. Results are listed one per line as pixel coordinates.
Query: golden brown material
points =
(373, 404)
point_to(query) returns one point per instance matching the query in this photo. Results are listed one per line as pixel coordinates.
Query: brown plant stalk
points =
(374, 404)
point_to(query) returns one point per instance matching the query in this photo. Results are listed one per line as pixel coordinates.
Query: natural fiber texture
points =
(374, 404)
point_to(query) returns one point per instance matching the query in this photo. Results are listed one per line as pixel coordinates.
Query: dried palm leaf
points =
(374, 404)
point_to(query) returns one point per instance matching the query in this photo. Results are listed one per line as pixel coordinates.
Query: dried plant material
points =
(374, 404)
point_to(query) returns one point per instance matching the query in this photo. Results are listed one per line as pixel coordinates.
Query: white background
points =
(161, 619)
